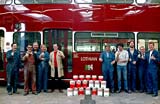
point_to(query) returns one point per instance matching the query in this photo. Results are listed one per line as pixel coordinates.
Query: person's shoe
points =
(61, 91)
(141, 91)
(149, 92)
(25, 94)
(9, 93)
(154, 95)
(38, 92)
(52, 90)
(34, 93)
(118, 91)
(15, 92)
(45, 91)
(112, 91)
(129, 91)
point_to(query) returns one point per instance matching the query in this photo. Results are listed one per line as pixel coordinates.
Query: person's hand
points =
(60, 54)
(12, 53)
(42, 55)
(21, 69)
(100, 59)
(26, 55)
(134, 62)
(113, 62)
(152, 57)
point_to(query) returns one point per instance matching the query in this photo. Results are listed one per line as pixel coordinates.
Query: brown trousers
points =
(30, 74)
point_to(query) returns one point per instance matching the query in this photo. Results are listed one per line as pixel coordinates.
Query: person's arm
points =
(113, 58)
(46, 56)
(9, 55)
(125, 58)
(101, 57)
(61, 54)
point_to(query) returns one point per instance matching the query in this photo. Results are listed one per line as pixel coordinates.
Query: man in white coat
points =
(57, 71)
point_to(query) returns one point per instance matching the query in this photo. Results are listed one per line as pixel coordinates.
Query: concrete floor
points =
(62, 98)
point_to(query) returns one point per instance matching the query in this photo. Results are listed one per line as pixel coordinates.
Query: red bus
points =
(81, 27)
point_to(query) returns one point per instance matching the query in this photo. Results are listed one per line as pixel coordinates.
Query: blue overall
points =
(152, 72)
(107, 68)
(13, 65)
(43, 72)
(142, 72)
(132, 70)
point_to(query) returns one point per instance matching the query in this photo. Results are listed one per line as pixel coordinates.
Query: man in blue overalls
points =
(108, 59)
(13, 65)
(132, 69)
(142, 69)
(43, 65)
(152, 70)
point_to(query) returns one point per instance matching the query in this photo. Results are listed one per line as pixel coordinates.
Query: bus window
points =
(121, 1)
(148, 1)
(104, 1)
(1, 49)
(119, 37)
(22, 39)
(144, 38)
(95, 41)
(84, 42)
(64, 40)
(2, 2)
(41, 1)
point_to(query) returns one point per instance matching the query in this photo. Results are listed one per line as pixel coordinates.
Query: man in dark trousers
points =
(13, 65)
(108, 59)
(56, 64)
(142, 63)
(152, 70)
(132, 67)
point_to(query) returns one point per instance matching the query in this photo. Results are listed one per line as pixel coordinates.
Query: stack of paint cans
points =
(88, 85)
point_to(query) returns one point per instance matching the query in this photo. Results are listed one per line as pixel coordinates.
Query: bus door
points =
(63, 38)
(2, 71)
(89, 45)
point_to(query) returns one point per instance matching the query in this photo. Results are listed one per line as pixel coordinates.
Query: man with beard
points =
(132, 69)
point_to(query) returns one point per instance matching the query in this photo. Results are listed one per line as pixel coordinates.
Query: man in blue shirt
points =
(13, 65)
(132, 67)
(108, 59)
(152, 70)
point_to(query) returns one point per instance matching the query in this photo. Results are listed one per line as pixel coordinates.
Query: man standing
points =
(122, 60)
(13, 65)
(108, 59)
(36, 50)
(152, 70)
(35, 47)
(55, 62)
(142, 69)
(43, 57)
(29, 70)
(132, 68)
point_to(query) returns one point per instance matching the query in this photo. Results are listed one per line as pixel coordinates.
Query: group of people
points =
(131, 64)
(36, 64)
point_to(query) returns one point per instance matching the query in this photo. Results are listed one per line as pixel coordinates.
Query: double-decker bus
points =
(81, 28)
